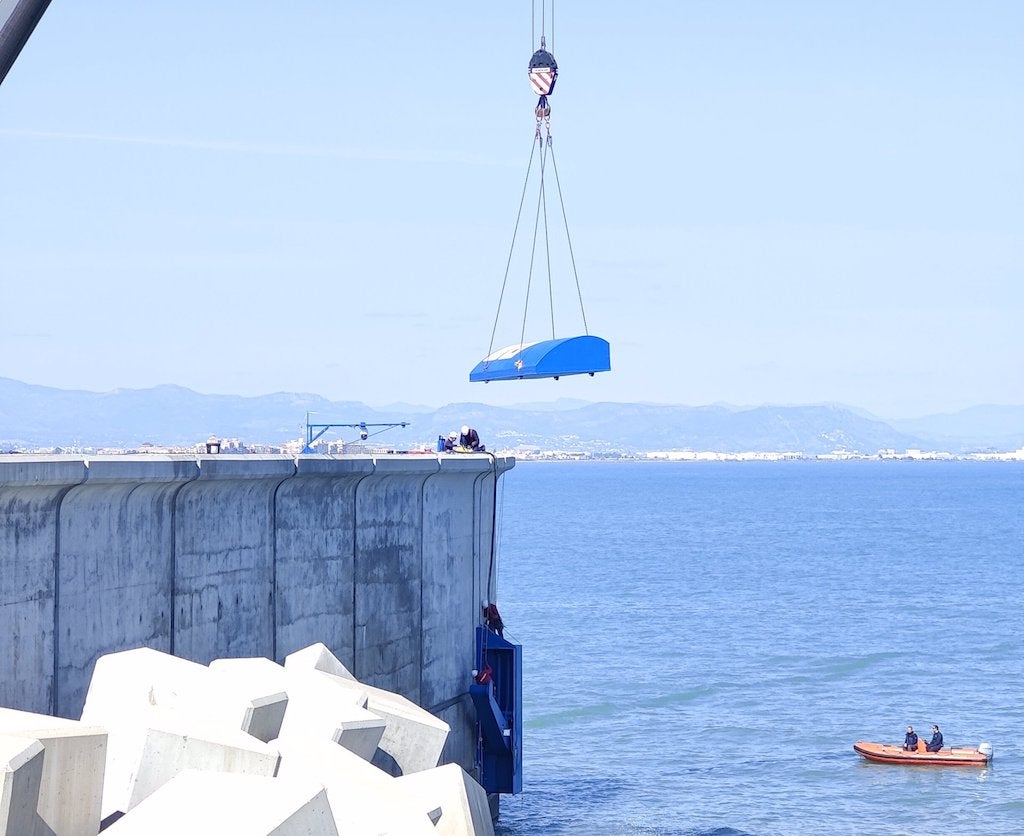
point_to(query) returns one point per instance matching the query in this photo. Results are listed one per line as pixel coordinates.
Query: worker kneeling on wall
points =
(469, 440)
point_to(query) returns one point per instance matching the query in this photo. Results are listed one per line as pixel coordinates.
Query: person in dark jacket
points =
(910, 741)
(449, 442)
(493, 618)
(936, 742)
(470, 439)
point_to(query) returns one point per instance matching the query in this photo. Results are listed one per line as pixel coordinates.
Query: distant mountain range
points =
(38, 416)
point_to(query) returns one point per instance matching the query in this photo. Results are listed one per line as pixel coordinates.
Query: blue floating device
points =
(548, 358)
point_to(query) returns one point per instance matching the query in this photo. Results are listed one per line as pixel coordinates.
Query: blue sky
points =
(769, 202)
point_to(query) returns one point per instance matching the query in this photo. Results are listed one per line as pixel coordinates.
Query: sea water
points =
(704, 642)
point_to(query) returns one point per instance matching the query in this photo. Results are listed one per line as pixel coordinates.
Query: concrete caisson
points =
(225, 558)
(116, 573)
(384, 559)
(316, 533)
(31, 491)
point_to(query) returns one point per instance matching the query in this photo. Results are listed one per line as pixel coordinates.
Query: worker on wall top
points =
(469, 440)
(449, 443)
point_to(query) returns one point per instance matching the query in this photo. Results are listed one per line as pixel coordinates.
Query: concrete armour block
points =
(365, 800)
(72, 780)
(21, 771)
(414, 737)
(463, 802)
(262, 716)
(317, 706)
(146, 749)
(252, 669)
(138, 679)
(317, 657)
(264, 683)
(134, 680)
(202, 804)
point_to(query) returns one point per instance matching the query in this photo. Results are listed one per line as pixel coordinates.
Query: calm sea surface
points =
(704, 642)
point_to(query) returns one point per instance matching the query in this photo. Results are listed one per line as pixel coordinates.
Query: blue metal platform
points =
(548, 358)
(499, 713)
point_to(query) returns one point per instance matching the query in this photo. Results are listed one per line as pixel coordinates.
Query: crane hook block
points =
(543, 72)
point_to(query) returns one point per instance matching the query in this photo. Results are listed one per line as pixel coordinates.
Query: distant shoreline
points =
(705, 457)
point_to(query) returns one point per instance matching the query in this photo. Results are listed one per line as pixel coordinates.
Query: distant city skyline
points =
(792, 203)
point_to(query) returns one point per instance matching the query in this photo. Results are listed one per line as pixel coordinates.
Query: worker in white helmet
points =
(470, 439)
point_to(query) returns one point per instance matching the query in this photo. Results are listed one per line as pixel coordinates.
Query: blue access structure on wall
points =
(548, 358)
(498, 699)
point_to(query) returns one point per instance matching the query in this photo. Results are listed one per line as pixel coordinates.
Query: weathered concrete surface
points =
(388, 581)
(21, 769)
(224, 558)
(71, 788)
(116, 535)
(316, 531)
(384, 559)
(201, 803)
(458, 515)
(31, 490)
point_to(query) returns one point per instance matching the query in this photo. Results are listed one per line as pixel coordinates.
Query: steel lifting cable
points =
(548, 149)
(536, 224)
(512, 246)
(568, 238)
(547, 238)
(533, 23)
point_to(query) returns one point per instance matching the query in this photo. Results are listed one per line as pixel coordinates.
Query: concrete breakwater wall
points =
(383, 559)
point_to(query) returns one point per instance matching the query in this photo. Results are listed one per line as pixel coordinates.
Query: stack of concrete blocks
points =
(242, 746)
(164, 715)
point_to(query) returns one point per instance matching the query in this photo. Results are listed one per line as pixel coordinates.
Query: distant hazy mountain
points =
(979, 427)
(39, 416)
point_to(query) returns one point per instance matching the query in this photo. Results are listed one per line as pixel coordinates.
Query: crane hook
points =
(543, 71)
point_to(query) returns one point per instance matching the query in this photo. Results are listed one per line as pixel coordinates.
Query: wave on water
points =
(840, 667)
(617, 709)
(595, 809)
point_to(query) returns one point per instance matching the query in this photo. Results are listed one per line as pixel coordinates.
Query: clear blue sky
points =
(785, 202)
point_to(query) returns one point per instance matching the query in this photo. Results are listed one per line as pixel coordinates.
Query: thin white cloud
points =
(270, 149)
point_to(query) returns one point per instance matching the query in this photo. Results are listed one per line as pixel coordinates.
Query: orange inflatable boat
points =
(949, 756)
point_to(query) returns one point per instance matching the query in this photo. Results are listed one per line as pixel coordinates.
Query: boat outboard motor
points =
(985, 749)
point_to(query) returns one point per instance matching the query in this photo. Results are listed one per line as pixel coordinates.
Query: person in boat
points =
(470, 439)
(935, 744)
(493, 618)
(910, 741)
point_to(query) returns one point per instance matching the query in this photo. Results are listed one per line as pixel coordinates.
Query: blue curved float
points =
(548, 358)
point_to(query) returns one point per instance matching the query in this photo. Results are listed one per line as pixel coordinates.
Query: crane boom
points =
(18, 18)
